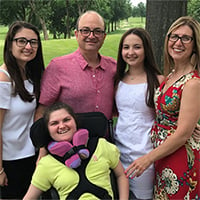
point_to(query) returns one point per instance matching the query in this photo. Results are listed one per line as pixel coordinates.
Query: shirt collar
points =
(84, 64)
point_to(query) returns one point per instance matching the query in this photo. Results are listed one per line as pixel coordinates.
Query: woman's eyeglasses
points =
(186, 39)
(22, 42)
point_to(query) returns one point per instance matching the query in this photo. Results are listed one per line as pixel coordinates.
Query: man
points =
(83, 79)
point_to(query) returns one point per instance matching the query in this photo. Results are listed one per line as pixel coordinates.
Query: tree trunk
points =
(42, 21)
(112, 29)
(159, 16)
(44, 28)
(108, 27)
(67, 20)
(54, 36)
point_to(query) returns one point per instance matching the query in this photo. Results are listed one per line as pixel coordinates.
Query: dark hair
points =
(150, 65)
(58, 106)
(33, 68)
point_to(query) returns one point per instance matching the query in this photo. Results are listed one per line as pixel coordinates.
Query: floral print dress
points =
(177, 175)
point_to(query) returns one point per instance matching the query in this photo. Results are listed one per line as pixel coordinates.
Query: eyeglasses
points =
(185, 39)
(22, 42)
(96, 32)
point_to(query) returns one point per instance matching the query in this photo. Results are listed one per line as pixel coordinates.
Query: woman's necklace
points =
(171, 74)
(130, 76)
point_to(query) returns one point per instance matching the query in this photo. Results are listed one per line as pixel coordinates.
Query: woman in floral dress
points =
(176, 153)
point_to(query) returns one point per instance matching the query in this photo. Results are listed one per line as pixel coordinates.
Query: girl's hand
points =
(196, 133)
(3, 179)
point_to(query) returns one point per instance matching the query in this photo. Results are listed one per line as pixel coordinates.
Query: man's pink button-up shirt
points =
(69, 79)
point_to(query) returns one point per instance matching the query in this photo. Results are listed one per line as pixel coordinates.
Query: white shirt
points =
(17, 122)
(132, 133)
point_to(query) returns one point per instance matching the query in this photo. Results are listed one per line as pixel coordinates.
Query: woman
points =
(61, 123)
(177, 101)
(19, 88)
(136, 79)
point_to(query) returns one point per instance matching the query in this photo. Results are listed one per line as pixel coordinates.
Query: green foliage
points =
(16, 10)
(59, 16)
(194, 9)
(139, 10)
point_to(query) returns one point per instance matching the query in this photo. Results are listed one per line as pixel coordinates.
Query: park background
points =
(57, 18)
(58, 47)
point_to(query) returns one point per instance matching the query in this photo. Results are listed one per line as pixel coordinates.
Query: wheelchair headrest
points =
(95, 122)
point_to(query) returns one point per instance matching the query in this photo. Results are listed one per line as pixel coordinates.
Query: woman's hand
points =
(137, 167)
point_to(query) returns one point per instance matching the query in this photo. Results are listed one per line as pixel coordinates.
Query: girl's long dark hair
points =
(150, 65)
(34, 68)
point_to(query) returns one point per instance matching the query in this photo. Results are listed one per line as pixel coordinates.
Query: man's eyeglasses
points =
(96, 32)
(186, 39)
(22, 42)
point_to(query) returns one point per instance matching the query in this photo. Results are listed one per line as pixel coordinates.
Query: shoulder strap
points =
(84, 184)
(68, 154)
(5, 72)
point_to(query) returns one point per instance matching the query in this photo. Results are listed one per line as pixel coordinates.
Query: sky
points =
(135, 2)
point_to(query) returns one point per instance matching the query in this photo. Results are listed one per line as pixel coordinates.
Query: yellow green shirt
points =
(50, 172)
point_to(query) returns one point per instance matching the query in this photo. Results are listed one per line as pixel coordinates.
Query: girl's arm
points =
(188, 117)
(39, 112)
(32, 193)
(42, 152)
(3, 177)
(122, 182)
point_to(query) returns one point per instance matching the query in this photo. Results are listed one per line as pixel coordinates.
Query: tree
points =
(139, 11)
(194, 9)
(159, 17)
(56, 21)
(60, 16)
(33, 11)
(41, 9)
(142, 10)
(11, 11)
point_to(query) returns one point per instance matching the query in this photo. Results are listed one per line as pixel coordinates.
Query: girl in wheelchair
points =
(77, 166)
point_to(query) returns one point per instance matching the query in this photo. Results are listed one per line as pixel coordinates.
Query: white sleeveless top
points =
(18, 119)
(132, 134)
(132, 131)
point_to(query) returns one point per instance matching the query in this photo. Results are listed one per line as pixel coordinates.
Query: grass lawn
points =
(54, 48)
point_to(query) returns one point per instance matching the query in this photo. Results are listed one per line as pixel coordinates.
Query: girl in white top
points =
(20, 77)
(136, 79)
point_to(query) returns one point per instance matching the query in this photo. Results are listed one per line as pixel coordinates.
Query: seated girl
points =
(61, 123)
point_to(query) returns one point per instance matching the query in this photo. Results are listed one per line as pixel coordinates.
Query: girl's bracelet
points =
(1, 172)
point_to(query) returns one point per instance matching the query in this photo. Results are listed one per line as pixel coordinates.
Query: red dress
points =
(177, 175)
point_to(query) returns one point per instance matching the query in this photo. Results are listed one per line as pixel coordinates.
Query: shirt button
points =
(97, 106)
(93, 75)
(98, 91)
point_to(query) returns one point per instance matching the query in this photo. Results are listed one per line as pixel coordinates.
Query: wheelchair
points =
(97, 125)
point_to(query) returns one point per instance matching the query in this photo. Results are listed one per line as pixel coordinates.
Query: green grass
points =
(54, 48)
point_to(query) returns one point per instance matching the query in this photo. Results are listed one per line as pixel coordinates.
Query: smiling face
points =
(179, 50)
(26, 53)
(133, 50)
(91, 43)
(61, 125)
